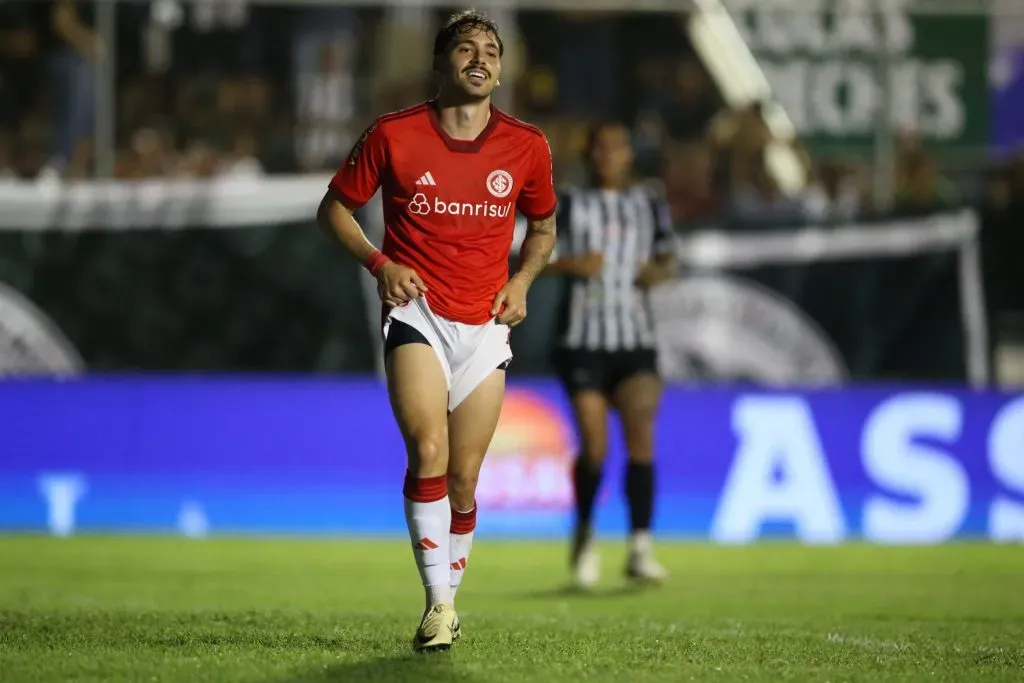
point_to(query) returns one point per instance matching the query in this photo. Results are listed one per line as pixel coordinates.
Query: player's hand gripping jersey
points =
(450, 205)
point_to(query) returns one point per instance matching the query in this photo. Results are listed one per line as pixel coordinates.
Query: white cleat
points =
(586, 569)
(641, 565)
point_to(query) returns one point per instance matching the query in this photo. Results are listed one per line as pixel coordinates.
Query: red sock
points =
(461, 542)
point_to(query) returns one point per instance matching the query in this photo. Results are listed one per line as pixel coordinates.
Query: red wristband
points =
(376, 261)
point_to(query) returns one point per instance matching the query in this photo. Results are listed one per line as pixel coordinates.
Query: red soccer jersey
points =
(450, 205)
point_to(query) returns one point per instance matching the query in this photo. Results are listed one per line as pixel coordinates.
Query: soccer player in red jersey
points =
(453, 172)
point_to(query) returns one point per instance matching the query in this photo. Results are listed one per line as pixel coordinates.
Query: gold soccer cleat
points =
(437, 630)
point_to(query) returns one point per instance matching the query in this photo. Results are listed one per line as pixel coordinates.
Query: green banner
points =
(831, 63)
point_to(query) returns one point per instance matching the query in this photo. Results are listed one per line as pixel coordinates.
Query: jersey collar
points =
(471, 146)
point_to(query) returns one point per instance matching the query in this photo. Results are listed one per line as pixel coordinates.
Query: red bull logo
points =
(528, 464)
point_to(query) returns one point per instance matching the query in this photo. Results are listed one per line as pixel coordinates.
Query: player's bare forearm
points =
(337, 222)
(660, 269)
(562, 266)
(568, 265)
(665, 264)
(66, 24)
(583, 266)
(667, 261)
(536, 250)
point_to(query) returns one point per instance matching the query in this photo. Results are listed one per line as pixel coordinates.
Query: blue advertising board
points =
(238, 455)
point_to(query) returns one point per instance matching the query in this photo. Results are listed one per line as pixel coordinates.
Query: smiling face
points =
(471, 64)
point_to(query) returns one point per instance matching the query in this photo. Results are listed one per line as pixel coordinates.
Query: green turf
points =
(92, 609)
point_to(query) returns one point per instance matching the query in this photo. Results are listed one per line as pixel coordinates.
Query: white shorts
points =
(468, 353)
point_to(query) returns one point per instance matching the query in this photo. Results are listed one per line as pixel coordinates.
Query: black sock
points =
(586, 479)
(640, 495)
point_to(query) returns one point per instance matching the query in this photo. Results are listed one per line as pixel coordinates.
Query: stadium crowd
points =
(206, 88)
(221, 88)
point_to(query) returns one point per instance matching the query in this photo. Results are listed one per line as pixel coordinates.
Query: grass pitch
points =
(135, 610)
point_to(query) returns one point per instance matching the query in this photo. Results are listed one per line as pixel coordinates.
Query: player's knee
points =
(640, 410)
(639, 428)
(428, 452)
(594, 450)
(641, 452)
(462, 488)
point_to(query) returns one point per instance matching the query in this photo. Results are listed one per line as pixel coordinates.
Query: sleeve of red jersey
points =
(538, 201)
(360, 174)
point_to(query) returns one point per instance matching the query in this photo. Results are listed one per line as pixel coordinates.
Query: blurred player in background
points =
(615, 243)
(453, 173)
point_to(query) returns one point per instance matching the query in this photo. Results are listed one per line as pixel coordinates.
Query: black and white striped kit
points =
(629, 227)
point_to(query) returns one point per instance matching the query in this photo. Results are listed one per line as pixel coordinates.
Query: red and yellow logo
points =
(530, 459)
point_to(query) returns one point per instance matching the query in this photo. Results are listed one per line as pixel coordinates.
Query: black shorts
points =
(404, 333)
(400, 334)
(585, 370)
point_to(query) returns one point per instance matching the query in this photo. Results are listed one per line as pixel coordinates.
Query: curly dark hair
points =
(466, 21)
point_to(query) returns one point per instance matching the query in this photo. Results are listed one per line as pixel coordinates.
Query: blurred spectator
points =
(756, 197)
(73, 49)
(919, 186)
(398, 80)
(740, 130)
(199, 161)
(151, 155)
(693, 104)
(834, 193)
(82, 162)
(735, 137)
(242, 160)
(323, 69)
(689, 181)
(675, 102)
(326, 108)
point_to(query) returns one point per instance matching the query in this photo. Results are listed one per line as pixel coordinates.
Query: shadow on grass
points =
(416, 668)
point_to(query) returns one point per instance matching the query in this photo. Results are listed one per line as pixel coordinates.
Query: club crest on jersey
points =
(499, 183)
(357, 148)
